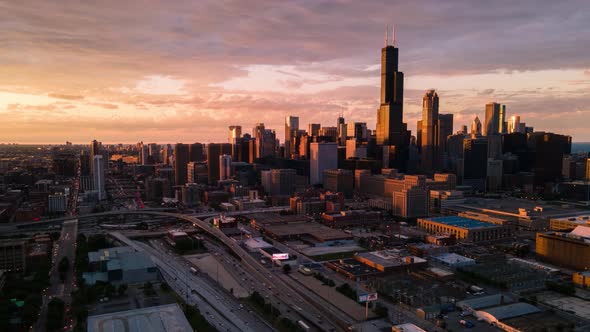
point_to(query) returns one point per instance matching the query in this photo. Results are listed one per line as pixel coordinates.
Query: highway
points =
(65, 247)
(44, 224)
(311, 312)
(219, 308)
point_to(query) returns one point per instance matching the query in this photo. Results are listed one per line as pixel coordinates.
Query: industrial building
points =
(453, 260)
(120, 265)
(388, 261)
(569, 223)
(351, 218)
(465, 228)
(565, 249)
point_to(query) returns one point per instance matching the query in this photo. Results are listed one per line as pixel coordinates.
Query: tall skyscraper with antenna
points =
(391, 131)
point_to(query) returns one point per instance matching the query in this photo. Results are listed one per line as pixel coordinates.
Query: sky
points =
(184, 70)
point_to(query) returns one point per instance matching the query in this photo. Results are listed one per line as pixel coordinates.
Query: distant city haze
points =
(169, 72)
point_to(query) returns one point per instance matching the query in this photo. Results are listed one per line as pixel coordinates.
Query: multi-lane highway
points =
(281, 293)
(65, 247)
(219, 308)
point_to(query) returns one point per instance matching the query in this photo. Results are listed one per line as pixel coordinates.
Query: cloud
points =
(486, 92)
(64, 96)
(181, 61)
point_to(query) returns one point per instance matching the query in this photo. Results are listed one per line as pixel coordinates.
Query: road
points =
(65, 247)
(219, 308)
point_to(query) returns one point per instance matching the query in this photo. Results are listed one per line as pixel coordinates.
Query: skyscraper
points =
(323, 156)
(341, 125)
(94, 150)
(214, 151)
(476, 127)
(235, 134)
(266, 141)
(196, 153)
(445, 129)
(291, 130)
(314, 129)
(502, 120)
(492, 119)
(181, 159)
(475, 162)
(224, 167)
(98, 176)
(391, 130)
(514, 125)
(429, 147)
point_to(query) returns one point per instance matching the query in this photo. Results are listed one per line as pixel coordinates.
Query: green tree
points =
(109, 290)
(148, 289)
(55, 314)
(122, 289)
(286, 268)
(165, 287)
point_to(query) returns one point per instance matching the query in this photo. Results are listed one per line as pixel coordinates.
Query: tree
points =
(165, 287)
(55, 314)
(62, 267)
(109, 290)
(286, 268)
(184, 245)
(148, 288)
(122, 289)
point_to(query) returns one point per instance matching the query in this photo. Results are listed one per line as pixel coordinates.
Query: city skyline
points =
(181, 76)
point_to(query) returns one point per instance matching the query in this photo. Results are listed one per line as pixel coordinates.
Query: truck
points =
(193, 270)
(304, 326)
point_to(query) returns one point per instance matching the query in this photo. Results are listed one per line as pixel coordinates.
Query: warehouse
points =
(465, 228)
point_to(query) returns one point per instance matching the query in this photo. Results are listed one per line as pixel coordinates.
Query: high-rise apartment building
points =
(323, 156)
(181, 159)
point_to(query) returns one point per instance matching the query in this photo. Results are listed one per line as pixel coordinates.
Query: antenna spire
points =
(393, 33)
(386, 35)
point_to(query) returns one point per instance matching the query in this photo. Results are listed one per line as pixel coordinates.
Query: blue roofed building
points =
(120, 265)
(465, 229)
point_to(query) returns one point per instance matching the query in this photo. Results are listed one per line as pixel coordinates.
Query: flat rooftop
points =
(461, 222)
(512, 310)
(318, 231)
(388, 258)
(164, 318)
(510, 206)
(353, 267)
(486, 301)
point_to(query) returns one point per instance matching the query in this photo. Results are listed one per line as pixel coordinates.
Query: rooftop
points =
(388, 258)
(486, 301)
(452, 258)
(164, 318)
(512, 310)
(461, 222)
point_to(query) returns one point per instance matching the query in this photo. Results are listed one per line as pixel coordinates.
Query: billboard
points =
(368, 297)
(281, 256)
